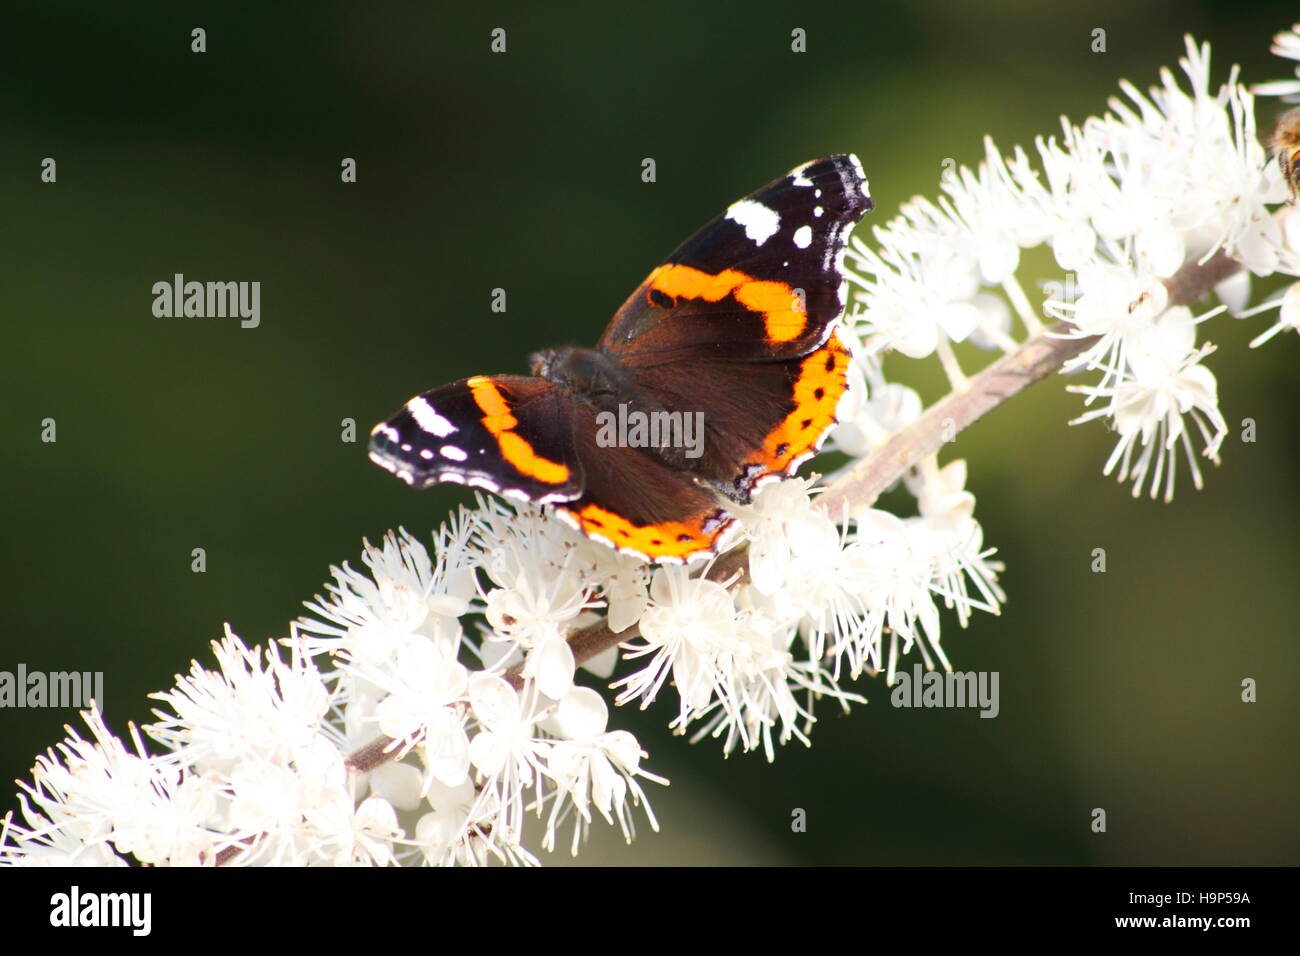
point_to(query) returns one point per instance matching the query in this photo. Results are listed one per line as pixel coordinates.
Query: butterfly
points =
(721, 372)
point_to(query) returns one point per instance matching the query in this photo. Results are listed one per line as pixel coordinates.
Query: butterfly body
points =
(730, 340)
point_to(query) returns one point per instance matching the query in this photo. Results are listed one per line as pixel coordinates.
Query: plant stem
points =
(1037, 358)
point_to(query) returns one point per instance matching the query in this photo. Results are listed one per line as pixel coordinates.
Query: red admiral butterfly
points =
(736, 326)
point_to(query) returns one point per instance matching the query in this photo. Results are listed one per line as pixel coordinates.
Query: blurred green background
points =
(522, 171)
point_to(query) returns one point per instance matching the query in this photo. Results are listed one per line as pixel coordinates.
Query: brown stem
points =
(597, 638)
(229, 853)
(371, 755)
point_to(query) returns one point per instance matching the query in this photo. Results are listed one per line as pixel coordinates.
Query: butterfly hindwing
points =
(759, 282)
(639, 505)
(760, 419)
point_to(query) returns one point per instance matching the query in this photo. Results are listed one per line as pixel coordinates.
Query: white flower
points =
(1076, 185)
(439, 832)
(763, 708)
(1115, 304)
(374, 830)
(917, 284)
(398, 783)
(897, 581)
(1248, 230)
(425, 704)
(371, 616)
(508, 755)
(626, 591)
(780, 523)
(1285, 44)
(1288, 314)
(544, 581)
(535, 622)
(690, 624)
(593, 767)
(365, 835)
(458, 830)
(1165, 178)
(866, 423)
(42, 844)
(805, 573)
(948, 532)
(1192, 174)
(994, 329)
(255, 708)
(291, 813)
(94, 802)
(733, 668)
(1163, 382)
(992, 209)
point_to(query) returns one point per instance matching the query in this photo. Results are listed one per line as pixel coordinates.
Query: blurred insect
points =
(1286, 147)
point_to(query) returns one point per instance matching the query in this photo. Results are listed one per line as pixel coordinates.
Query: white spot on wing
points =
(557, 496)
(799, 178)
(818, 212)
(452, 452)
(427, 417)
(803, 237)
(760, 222)
(862, 175)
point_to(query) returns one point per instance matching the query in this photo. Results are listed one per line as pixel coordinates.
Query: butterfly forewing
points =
(759, 282)
(507, 433)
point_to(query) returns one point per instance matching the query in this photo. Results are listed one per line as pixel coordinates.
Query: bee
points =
(1286, 147)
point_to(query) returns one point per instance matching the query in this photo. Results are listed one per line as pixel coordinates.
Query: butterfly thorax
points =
(590, 374)
(596, 379)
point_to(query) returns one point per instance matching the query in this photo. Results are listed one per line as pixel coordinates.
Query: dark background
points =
(522, 170)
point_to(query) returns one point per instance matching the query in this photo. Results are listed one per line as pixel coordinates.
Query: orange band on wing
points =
(776, 301)
(498, 420)
(783, 316)
(823, 378)
(671, 539)
(684, 282)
